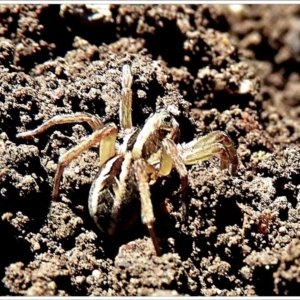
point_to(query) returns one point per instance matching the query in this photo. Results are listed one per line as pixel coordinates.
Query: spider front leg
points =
(208, 146)
(126, 99)
(105, 135)
(143, 173)
(170, 157)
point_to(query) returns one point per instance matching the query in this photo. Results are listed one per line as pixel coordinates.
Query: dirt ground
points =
(231, 68)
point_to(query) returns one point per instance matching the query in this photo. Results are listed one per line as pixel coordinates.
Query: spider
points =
(121, 191)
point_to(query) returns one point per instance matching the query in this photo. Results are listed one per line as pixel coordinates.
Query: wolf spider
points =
(128, 170)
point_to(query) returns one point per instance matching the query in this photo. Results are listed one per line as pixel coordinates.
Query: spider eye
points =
(167, 119)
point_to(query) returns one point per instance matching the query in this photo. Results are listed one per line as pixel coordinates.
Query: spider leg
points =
(170, 156)
(107, 142)
(78, 117)
(126, 99)
(107, 145)
(107, 133)
(212, 144)
(142, 170)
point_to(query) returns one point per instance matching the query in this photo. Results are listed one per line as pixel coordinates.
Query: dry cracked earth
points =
(233, 68)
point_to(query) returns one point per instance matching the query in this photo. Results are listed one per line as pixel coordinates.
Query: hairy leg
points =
(79, 117)
(105, 135)
(212, 144)
(107, 132)
(148, 218)
(126, 99)
(170, 156)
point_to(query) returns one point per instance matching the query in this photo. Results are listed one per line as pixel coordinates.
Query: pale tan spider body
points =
(121, 190)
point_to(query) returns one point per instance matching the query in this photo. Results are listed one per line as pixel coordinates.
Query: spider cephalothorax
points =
(128, 170)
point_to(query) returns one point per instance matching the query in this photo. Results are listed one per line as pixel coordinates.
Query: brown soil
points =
(230, 68)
